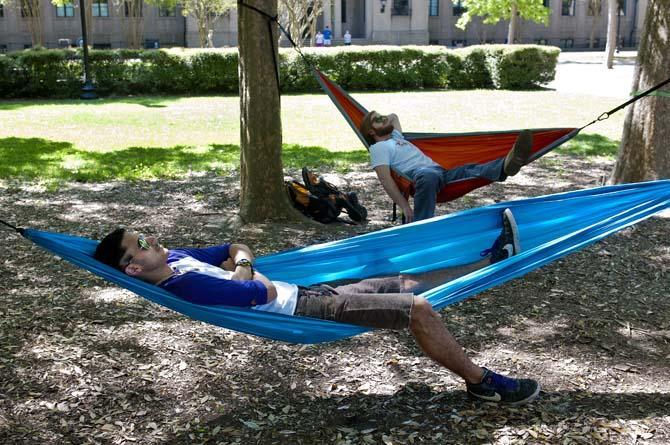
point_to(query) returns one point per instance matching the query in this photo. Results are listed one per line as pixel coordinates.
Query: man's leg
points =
(498, 169)
(417, 283)
(438, 344)
(426, 185)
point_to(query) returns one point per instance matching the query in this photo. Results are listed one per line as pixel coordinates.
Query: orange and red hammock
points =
(450, 149)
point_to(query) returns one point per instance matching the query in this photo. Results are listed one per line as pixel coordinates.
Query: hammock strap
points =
(635, 98)
(18, 229)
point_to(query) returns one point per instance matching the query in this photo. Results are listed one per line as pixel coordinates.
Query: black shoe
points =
(498, 388)
(507, 244)
(519, 154)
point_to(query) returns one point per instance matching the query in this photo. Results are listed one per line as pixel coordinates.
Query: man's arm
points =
(384, 175)
(239, 252)
(393, 118)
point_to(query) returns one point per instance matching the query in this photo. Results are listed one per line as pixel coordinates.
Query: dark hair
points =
(109, 251)
(366, 127)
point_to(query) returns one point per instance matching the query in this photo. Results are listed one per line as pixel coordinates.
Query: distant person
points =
(347, 38)
(327, 36)
(210, 39)
(319, 38)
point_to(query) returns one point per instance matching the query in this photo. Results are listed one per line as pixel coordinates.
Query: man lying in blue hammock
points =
(224, 275)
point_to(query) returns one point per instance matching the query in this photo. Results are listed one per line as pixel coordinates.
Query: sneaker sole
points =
(515, 230)
(520, 153)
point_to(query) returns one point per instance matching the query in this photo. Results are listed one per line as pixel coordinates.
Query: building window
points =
(541, 42)
(3, 47)
(568, 7)
(459, 43)
(66, 10)
(458, 9)
(167, 11)
(100, 8)
(400, 7)
(133, 6)
(434, 8)
(343, 12)
(545, 3)
(567, 43)
(102, 46)
(2, 11)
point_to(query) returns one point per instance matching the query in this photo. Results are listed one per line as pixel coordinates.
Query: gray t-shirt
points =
(399, 154)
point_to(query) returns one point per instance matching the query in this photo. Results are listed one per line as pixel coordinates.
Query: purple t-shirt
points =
(198, 286)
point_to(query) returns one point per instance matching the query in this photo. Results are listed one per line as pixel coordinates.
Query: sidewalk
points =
(585, 73)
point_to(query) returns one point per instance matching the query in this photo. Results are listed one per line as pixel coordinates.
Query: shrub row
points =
(58, 73)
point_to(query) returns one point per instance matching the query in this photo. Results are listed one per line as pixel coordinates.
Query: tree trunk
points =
(644, 153)
(88, 6)
(34, 16)
(612, 11)
(263, 196)
(511, 31)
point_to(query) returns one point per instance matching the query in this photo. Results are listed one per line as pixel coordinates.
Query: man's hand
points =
(242, 273)
(384, 175)
(229, 265)
(408, 212)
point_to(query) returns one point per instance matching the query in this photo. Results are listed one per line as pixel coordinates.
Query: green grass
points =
(42, 159)
(166, 137)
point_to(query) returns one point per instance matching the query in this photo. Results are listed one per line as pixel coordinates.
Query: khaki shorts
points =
(373, 303)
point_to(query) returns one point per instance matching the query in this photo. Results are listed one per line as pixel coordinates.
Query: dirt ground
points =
(82, 361)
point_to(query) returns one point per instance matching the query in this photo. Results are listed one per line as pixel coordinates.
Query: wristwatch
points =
(245, 263)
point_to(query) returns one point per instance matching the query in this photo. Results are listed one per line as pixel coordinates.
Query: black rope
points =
(18, 229)
(270, 19)
(635, 98)
(272, 41)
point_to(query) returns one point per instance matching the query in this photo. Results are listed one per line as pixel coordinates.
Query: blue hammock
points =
(550, 227)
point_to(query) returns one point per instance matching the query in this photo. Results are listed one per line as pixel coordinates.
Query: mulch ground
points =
(82, 361)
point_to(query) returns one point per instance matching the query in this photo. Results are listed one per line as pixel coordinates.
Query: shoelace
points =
(493, 248)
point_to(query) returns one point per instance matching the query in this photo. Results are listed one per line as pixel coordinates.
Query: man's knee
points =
(426, 177)
(422, 314)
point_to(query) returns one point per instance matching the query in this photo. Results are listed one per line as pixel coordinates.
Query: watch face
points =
(243, 263)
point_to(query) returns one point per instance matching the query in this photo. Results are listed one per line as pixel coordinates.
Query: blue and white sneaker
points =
(498, 388)
(507, 244)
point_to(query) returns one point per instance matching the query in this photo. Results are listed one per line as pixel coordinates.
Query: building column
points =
(326, 15)
(337, 26)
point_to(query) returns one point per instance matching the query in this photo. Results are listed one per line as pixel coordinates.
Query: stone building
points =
(394, 22)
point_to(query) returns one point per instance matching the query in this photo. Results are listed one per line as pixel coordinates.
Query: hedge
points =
(58, 73)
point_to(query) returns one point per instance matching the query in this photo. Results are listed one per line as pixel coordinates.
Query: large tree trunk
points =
(513, 21)
(644, 153)
(261, 174)
(612, 10)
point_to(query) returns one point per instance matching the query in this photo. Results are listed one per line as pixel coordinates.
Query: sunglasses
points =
(378, 119)
(142, 243)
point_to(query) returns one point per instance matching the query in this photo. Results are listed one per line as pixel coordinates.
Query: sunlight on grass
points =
(307, 120)
(168, 137)
(53, 161)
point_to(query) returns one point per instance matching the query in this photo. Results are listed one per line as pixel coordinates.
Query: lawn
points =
(166, 137)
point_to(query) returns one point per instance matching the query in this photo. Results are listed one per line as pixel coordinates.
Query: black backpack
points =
(319, 209)
(343, 201)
